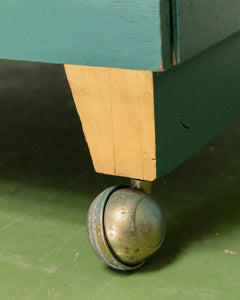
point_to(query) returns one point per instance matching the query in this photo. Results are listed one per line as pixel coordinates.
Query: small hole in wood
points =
(184, 125)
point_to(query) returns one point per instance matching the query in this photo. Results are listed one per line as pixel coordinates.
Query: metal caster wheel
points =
(125, 227)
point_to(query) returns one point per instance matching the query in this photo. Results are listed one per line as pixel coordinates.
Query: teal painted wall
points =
(110, 33)
(195, 101)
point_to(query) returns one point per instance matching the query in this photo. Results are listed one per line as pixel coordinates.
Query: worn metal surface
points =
(134, 225)
(97, 232)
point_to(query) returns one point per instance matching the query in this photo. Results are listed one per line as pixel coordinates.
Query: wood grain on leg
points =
(116, 108)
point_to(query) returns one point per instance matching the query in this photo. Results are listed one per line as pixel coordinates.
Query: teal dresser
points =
(153, 81)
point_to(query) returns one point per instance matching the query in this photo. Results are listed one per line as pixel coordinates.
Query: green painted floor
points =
(47, 184)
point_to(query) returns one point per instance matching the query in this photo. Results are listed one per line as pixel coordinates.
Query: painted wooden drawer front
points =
(137, 34)
(200, 24)
(111, 33)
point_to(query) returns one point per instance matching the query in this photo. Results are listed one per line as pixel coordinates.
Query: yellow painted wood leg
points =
(116, 108)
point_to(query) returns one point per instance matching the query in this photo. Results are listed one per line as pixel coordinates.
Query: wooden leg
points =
(116, 108)
(142, 125)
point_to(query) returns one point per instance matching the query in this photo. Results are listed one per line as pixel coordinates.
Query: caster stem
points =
(142, 185)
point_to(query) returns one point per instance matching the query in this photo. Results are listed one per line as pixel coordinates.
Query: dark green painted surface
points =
(200, 24)
(195, 101)
(47, 184)
(120, 34)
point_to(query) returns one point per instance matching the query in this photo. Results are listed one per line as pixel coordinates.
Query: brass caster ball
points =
(125, 227)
